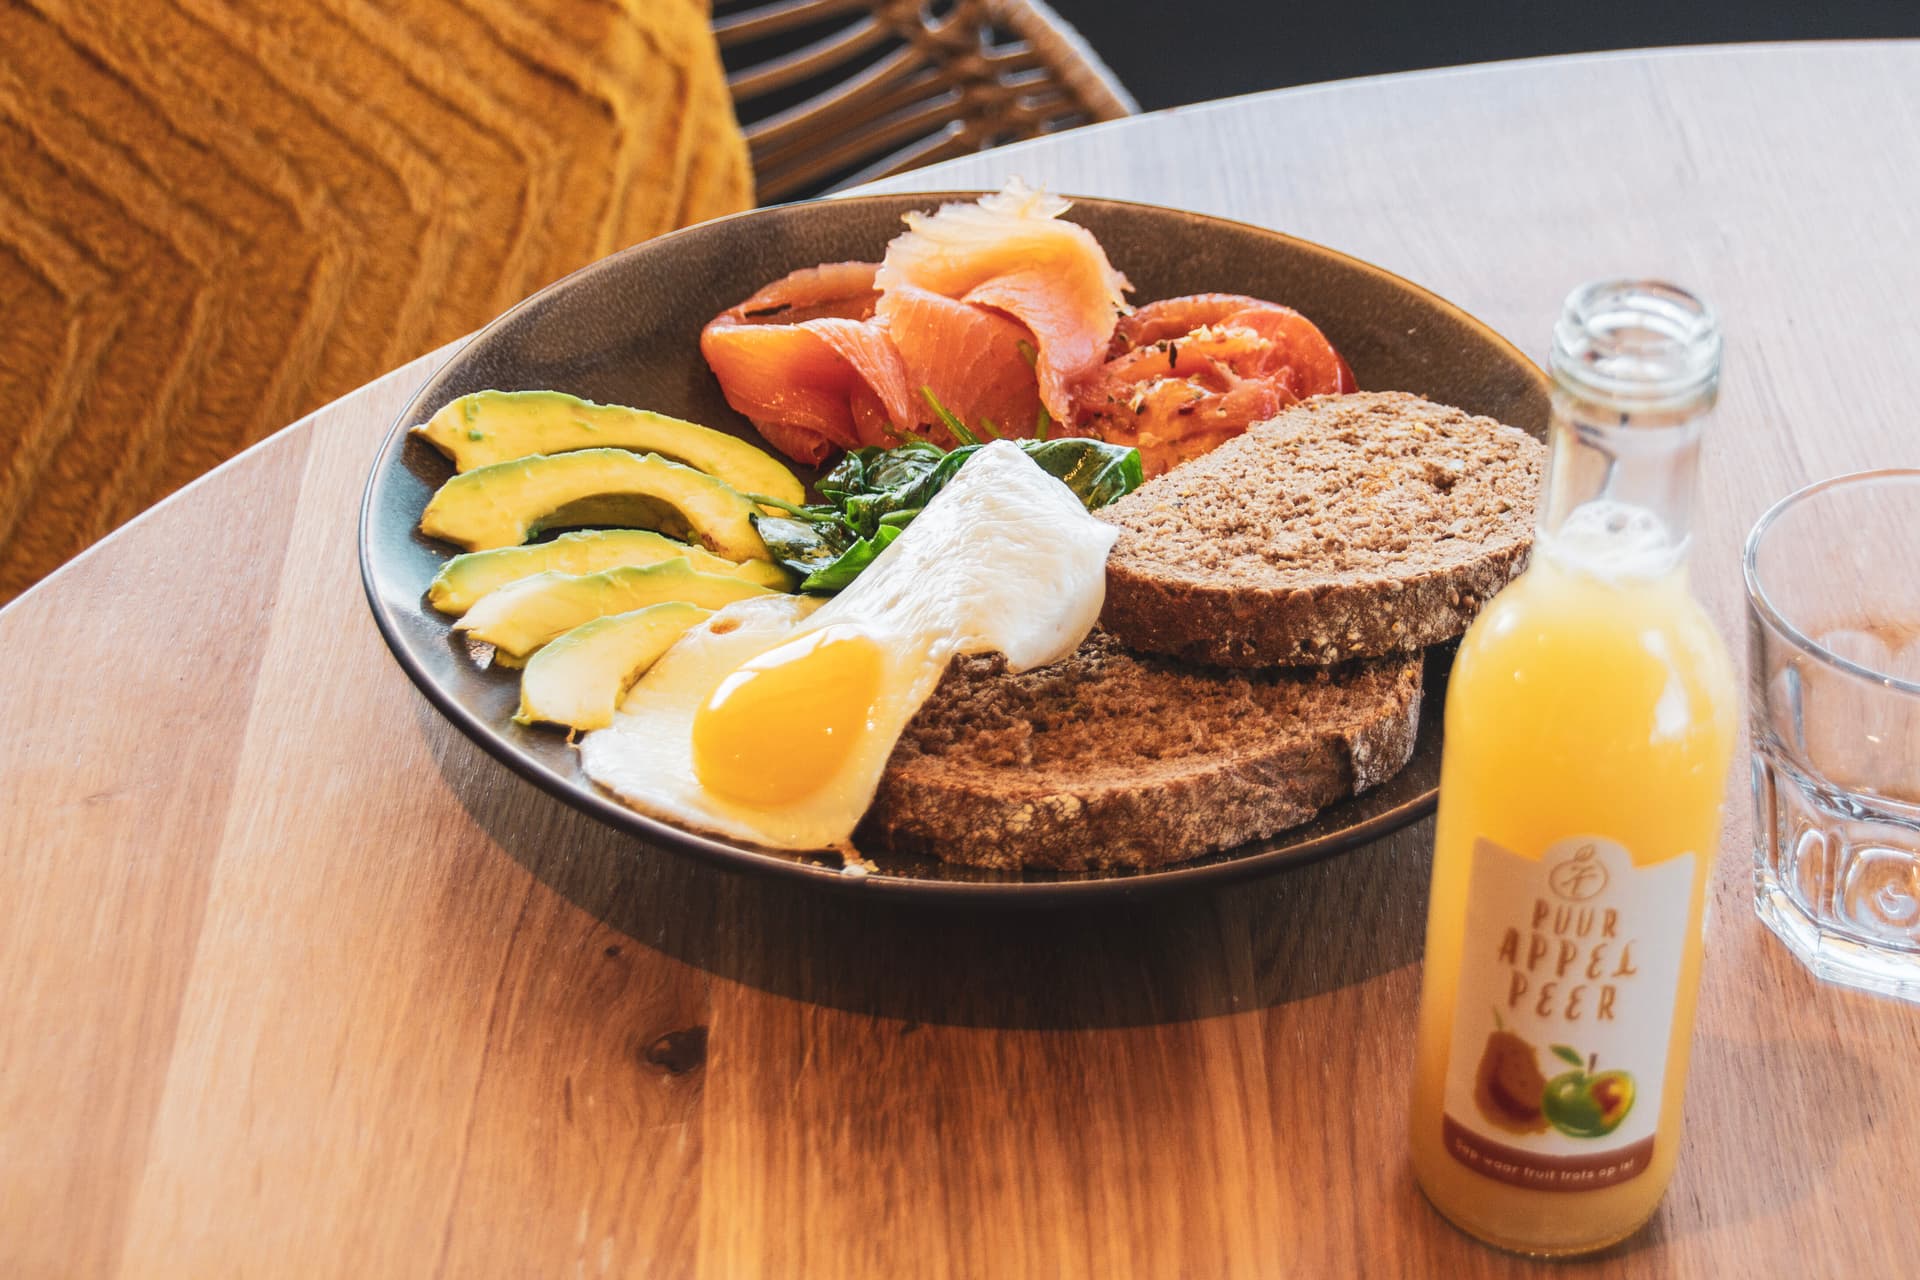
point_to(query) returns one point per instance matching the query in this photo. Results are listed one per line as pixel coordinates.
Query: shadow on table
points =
(1818, 1097)
(1194, 955)
(1798, 1107)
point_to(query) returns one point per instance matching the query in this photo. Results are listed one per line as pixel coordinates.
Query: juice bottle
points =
(1590, 722)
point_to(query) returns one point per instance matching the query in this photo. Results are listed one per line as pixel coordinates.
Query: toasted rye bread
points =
(1117, 759)
(1349, 526)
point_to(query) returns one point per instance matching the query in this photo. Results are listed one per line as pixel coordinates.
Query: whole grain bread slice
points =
(1349, 526)
(1117, 759)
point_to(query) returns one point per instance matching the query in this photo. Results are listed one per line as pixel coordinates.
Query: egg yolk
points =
(783, 725)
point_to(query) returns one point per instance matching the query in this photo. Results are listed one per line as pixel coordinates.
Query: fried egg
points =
(772, 721)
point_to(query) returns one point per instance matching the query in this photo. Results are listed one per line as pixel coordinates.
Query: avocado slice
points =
(579, 678)
(464, 579)
(486, 427)
(509, 502)
(521, 616)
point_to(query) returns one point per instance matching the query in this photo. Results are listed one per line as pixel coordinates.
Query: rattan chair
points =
(835, 92)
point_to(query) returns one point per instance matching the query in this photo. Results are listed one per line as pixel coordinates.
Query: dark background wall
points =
(1174, 51)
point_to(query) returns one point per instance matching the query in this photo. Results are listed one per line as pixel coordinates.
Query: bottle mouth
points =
(1641, 341)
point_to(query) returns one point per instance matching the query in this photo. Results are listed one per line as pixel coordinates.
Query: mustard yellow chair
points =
(218, 215)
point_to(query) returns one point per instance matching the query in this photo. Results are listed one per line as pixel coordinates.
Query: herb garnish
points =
(948, 418)
(872, 494)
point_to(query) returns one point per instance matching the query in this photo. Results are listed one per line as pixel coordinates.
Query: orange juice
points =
(1590, 721)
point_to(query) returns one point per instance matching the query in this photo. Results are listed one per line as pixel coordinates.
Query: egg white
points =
(1004, 558)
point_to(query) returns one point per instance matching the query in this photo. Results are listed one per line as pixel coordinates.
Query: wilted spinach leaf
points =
(873, 493)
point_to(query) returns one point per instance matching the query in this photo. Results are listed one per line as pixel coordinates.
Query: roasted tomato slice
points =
(1186, 374)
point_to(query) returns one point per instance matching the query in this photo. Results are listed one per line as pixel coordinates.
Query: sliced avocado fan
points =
(486, 427)
(579, 678)
(505, 504)
(522, 616)
(463, 580)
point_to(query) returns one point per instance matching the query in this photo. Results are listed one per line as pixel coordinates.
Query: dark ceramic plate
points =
(626, 330)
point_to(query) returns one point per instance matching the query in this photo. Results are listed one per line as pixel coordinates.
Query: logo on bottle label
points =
(1563, 1013)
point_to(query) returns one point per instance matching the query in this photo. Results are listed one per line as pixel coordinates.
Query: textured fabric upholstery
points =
(218, 215)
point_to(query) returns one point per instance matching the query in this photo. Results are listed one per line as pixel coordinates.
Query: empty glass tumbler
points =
(1833, 599)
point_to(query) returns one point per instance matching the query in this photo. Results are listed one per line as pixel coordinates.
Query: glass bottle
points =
(1590, 722)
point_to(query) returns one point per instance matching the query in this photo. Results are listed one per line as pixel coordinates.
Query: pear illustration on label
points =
(1508, 1088)
(1583, 1102)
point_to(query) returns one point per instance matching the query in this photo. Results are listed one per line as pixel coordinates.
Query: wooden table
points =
(293, 979)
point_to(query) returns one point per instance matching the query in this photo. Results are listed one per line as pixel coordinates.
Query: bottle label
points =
(1563, 1013)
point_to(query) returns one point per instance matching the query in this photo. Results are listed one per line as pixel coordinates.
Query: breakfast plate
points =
(626, 330)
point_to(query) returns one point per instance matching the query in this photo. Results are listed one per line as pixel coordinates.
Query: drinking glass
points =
(1833, 606)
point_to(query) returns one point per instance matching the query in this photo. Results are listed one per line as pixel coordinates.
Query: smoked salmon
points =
(974, 361)
(1012, 253)
(992, 310)
(806, 363)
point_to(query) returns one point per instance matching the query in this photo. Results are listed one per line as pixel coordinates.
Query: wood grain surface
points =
(294, 980)
(220, 214)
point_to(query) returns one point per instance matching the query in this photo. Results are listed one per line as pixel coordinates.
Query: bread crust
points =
(1165, 788)
(1163, 599)
(1327, 623)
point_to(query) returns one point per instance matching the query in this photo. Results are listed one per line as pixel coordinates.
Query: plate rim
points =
(664, 836)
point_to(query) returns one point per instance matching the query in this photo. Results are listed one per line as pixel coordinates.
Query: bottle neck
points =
(1619, 489)
(1635, 376)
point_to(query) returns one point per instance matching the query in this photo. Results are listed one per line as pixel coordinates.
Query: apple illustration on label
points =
(1583, 1102)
